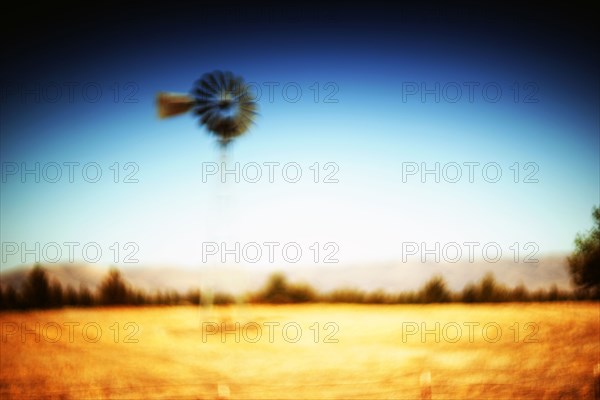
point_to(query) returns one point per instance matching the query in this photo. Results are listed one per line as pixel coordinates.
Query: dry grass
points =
(372, 358)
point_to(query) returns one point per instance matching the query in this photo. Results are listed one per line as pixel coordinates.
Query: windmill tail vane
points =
(171, 104)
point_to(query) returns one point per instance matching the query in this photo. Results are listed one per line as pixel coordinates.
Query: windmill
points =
(225, 107)
(220, 99)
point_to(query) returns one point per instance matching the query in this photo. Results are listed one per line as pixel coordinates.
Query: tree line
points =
(278, 290)
(38, 292)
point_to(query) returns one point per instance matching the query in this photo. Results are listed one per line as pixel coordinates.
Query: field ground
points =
(501, 351)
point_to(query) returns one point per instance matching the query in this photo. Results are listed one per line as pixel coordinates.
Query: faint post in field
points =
(223, 391)
(425, 383)
(596, 375)
(207, 302)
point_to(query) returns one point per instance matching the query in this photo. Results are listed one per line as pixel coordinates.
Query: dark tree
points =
(85, 296)
(139, 297)
(435, 291)
(490, 290)
(113, 290)
(11, 298)
(553, 293)
(193, 296)
(36, 289)
(519, 293)
(56, 294)
(276, 289)
(71, 298)
(584, 263)
(469, 294)
(301, 293)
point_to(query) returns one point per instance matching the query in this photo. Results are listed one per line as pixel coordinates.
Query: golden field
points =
(317, 351)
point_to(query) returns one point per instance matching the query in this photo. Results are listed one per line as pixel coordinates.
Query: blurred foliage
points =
(584, 263)
(38, 292)
(435, 291)
(279, 291)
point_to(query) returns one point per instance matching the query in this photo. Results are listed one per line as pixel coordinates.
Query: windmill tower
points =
(225, 107)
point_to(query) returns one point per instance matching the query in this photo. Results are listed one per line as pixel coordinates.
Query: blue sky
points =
(368, 134)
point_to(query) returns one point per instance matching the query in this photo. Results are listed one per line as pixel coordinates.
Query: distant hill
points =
(397, 276)
(392, 276)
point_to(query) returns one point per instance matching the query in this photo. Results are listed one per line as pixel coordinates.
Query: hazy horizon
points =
(389, 276)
